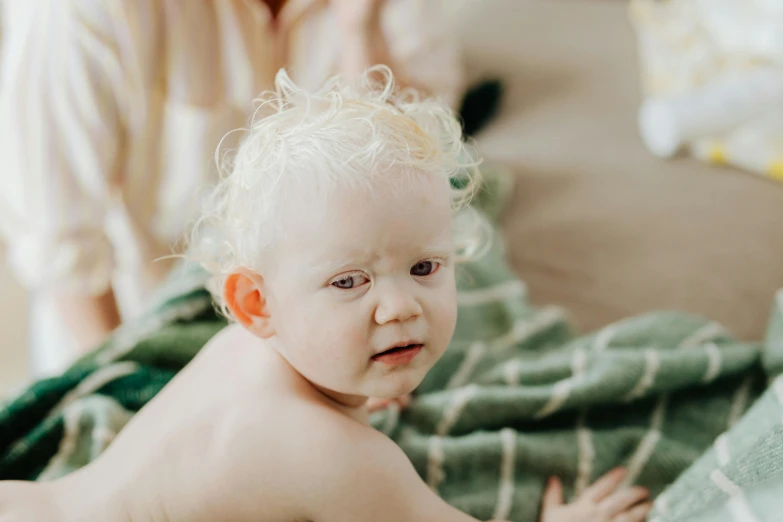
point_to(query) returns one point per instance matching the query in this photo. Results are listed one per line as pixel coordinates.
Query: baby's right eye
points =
(350, 281)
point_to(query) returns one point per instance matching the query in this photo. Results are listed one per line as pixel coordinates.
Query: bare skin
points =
(202, 451)
(90, 318)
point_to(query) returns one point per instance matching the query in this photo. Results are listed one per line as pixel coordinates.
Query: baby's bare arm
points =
(372, 479)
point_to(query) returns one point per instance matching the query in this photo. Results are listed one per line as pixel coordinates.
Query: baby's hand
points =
(374, 404)
(601, 502)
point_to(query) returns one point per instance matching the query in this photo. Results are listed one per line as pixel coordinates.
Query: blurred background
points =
(14, 364)
(644, 145)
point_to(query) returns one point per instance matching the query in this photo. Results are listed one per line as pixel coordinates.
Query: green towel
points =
(740, 478)
(517, 397)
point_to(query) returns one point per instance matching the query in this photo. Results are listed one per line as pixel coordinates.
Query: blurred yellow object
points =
(718, 153)
(776, 170)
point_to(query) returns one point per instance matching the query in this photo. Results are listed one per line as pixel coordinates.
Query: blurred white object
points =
(712, 74)
(52, 349)
(666, 123)
(745, 27)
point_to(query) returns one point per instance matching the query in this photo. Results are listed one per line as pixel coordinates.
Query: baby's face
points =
(361, 292)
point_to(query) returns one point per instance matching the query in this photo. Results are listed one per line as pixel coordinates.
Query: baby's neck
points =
(355, 406)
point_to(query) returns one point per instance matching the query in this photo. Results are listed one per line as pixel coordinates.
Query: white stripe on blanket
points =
(96, 380)
(562, 389)
(714, 361)
(652, 363)
(450, 417)
(435, 458)
(584, 469)
(508, 439)
(646, 447)
(737, 504)
(72, 417)
(740, 401)
(469, 363)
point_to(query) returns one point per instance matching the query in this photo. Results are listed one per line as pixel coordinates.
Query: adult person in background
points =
(111, 112)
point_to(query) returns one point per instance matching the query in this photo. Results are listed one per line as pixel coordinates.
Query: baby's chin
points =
(393, 386)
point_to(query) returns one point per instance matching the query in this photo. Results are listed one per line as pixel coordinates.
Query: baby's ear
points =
(244, 295)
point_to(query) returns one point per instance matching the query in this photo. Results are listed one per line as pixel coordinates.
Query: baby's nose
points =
(397, 305)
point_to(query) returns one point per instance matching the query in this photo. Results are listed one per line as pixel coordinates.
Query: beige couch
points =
(598, 225)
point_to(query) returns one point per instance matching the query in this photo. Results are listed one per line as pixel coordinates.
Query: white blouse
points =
(111, 112)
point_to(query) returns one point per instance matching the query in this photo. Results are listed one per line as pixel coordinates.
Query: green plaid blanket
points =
(517, 397)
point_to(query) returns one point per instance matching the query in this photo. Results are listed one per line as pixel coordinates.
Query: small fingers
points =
(375, 404)
(553, 495)
(404, 401)
(621, 501)
(636, 514)
(604, 486)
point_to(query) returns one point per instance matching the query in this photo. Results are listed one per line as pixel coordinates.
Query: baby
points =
(333, 244)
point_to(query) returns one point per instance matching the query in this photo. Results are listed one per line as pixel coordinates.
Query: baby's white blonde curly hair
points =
(341, 134)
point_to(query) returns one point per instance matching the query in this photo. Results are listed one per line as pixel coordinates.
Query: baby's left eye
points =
(424, 268)
(350, 281)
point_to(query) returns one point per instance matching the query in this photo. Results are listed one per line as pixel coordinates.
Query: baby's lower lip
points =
(400, 356)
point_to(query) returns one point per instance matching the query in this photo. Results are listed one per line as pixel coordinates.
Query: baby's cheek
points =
(445, 318)
(350, 334)
(338, 339)
(447, 308)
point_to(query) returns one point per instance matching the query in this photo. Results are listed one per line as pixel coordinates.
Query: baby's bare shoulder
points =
(326, 452)
(350, 472)
(323, 433)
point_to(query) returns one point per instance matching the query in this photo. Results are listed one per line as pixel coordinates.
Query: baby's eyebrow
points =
(438, 249)
(443, 250)
(334, 265)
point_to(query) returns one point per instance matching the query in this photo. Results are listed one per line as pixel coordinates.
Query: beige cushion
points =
(597, 224)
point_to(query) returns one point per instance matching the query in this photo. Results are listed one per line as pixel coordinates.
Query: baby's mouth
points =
(398, 354)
